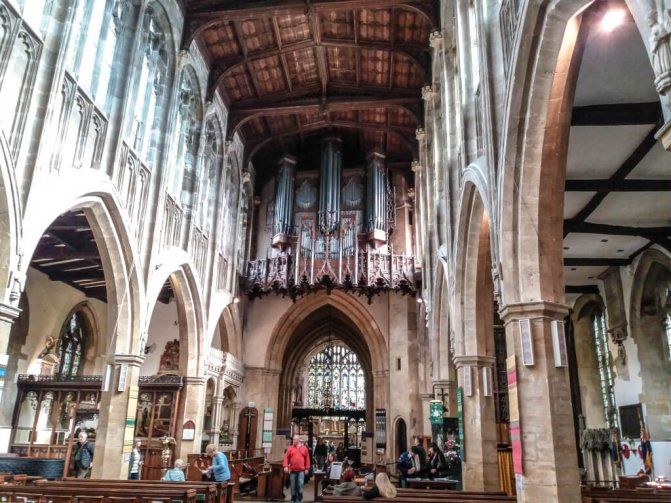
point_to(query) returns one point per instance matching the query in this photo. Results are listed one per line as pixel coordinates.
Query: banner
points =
(460, 417)
(380, 428)
(514, 411)
(267, 437)
(436, 412)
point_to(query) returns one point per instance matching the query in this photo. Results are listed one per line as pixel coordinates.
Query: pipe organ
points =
(331, 228)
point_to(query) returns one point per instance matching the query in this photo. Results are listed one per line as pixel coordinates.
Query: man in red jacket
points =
(297, 464)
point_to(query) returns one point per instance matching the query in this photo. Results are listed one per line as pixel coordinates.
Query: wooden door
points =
(249, 418)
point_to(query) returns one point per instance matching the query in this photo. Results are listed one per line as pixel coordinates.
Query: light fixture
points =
(236, 300)
(612, 19)
(419, 300)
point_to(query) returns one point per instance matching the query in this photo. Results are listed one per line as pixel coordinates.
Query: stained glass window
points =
(71, 345)
(667, 326)
(603, 363)
(337, 369)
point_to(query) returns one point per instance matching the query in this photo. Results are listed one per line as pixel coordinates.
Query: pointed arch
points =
(10, 220)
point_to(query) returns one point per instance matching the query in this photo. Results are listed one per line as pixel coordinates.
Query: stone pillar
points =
(116, 423)
(480, 468)
(7, 385)
(217, 408)
(446, 391)
(191, 408)
(233, 424)
(261, 387)
(549, 458)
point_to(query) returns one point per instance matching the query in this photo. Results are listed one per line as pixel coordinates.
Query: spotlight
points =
(419, 300)
(612, 19)
(236, 300)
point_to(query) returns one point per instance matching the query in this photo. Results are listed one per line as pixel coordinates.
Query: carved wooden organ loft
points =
(330, 229)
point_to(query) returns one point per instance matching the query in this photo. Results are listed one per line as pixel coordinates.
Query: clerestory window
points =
(602, 352)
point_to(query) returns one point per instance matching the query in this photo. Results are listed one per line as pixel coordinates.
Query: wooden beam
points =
(322, 67)
(595, 261)
(618, 114)
(283, 57)
(581, 289)
(626, 185)
(622, 172)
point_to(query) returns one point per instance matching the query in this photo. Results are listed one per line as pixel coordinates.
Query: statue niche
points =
(170, 357)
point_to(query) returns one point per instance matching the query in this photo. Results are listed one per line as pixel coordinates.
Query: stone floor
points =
(308, 493)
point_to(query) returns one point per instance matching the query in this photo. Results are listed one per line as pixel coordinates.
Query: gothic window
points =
(230, 208)
(93, 42)
(336, 380)
(71, 344)
(212, 156)
(187, 131)
(242, 230)
(603, 364)
(667, 325)
(152, 84)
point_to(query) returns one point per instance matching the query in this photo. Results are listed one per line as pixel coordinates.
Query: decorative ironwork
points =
(171, 379)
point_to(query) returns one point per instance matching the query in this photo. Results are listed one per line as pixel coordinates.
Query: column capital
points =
(380, 374)
(444, 383)
(8, 313)
(420, 133)
(130, 360)
(533, 310)
(416, 167)
(428, 93)
(195, 380)
(474, 361)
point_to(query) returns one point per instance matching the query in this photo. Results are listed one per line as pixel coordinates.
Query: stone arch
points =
(591, 404)
(120, 260)
(649, 307)
(536, 121)
(190, 311)
(399, 432)
(346, 304)
(10, 223)
(230, 330)
(440, 356)
(472, 307)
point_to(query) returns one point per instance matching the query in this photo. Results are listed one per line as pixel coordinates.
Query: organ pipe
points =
(376, 200)
(329, 184)
(284, 202)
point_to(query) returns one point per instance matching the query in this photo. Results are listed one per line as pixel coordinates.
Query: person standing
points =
(219, 468)
(83, 456)
(321, 451)
(135, 462)
(417, 441)
(297, 464)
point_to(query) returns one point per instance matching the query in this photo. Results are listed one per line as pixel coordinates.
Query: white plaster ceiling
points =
(634, 209)
(594, 246)
(575, 201)
(655, 165)
(582, 275)
(615, 68)
(597, 151)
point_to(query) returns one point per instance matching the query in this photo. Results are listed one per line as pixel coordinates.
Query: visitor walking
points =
(135, 462)
(321, 451)
(297, 464)
(83, 456)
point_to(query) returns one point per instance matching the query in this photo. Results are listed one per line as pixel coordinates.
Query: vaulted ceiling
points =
(290, 70)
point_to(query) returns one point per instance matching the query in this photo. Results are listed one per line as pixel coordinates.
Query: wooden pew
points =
(213, 492)
(54, 493)
(604, 495)
(454, 497)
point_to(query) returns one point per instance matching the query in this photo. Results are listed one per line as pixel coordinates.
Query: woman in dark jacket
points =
(437, 461)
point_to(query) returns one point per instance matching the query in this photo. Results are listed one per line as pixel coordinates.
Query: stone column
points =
(480, 468)
(233, 424)
(446, 391)
(261, 387)
(191, 408)
(116, 423)
(7, 386)
(550, 463)
(215, 429)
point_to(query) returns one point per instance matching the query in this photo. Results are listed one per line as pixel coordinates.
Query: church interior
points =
(369, 223)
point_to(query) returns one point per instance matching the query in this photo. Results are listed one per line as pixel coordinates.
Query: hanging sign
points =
(436, 412)
(514, 412)
(380, 428)
(267, 438)
(460, 417)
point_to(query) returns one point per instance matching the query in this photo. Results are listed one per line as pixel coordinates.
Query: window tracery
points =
(71, 344)
(212, 155)
(336, 368)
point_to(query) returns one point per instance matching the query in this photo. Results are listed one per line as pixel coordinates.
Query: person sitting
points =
(437, 462)
(347, 487)
(383, 488)
(406, 468)
(418, 466)
(176, 473)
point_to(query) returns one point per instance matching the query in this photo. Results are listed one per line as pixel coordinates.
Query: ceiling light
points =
(612, 19)
(236, 300)
(604, 240)
(419, 300)
(620, 250)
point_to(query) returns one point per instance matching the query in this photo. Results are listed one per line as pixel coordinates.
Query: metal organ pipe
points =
(284, 201)
(376, 200)
(329, 184)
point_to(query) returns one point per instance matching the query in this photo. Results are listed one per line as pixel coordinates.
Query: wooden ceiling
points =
(291, 69)
(68, 252)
